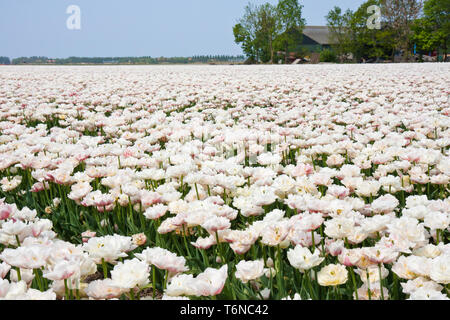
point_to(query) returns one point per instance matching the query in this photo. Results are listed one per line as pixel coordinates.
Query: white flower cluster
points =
(344, 169)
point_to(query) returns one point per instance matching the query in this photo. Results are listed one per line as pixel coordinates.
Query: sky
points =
(119, 28)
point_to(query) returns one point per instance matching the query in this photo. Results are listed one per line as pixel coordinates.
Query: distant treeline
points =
(127, 60)
(5, 60)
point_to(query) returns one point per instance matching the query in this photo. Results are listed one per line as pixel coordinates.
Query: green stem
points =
(165, 279)
(352, 273)
(280, 272)
(105, 269)
(38, 279)
(308, 279)
(322, 241)
(19, 276)
(396, 286)
(181, 185)
(219, 248)
(336, 292)
(264, 255)
(205, 258)
(381, 281)
(17, 240)
(185, 241)
(271, 282)
(196, 191)
(153, 281)
(368, 286)
(66, 289)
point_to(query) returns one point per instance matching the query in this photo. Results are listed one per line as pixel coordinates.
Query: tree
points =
(245, 32)
(289, 13)
(433, 29)
(369, 43)
(400, 16)
(265, 28)
(339, 25)
(268, 28)
(328, 55)
(351, 34)
(242, 36)
(5, 60)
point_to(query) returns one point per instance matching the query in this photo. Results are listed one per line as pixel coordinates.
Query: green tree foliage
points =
(328, 55)
(370, 43)
(399, 17)
(4, 60)
(432, 31)
(351, 34)
(266, 28)
(267, 31)
(340, 24)
(291, 24)
(245, 32)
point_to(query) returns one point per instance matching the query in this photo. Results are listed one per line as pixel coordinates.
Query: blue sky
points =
(132, 27)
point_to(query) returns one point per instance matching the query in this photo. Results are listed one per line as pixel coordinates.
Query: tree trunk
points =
(445, 51)
(271, 50)
(286, 53)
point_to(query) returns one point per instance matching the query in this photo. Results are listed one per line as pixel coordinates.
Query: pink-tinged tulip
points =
(214, 223)
(62, 270)
(4, 269)
(302, 169)
(6, 211)
(211, 281)
(85, 236)
(205, 243)
(104, 289)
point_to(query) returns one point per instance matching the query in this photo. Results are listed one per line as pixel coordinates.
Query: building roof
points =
(320, 34)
